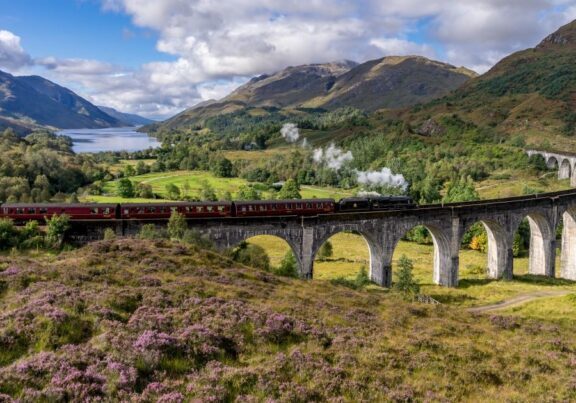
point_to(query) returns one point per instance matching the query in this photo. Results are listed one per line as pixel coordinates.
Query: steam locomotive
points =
(21, 212)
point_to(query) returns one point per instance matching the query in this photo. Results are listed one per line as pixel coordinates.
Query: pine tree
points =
(406, 283)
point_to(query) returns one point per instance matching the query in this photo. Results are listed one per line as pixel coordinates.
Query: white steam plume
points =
(333, 157)
(290, 132)
(385, 177)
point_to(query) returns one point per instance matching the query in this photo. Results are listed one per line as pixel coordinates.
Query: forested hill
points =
(42, 167)
(529, 92)
(390, 82)
(31, 102)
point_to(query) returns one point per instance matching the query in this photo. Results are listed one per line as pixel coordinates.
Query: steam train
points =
(21, 212)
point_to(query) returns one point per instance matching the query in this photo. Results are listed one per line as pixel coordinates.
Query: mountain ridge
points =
(391, 82)
(30, 102)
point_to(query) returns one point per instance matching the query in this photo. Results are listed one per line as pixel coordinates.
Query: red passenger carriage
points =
(164, 210)
(284, 207)
(30, 211)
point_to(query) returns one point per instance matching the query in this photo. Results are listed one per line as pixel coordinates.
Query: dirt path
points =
(519, 300)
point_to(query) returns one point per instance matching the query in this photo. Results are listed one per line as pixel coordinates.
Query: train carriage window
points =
(126, 211)
(308, 205)
(107, 210)
(221, 208)
(262, 207)
(187, 209)
(199, 209)
(94, 210)
(19, 211)
(210, 209)
(320, 205)
(299, 205)
(274, 207)
(173, 209)
(31, 211)
(243, 209)
(250, 208)
(140, 210)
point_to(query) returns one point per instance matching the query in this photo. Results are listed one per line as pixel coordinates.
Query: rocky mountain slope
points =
(531, 92)
(29, 102)
(390, 82)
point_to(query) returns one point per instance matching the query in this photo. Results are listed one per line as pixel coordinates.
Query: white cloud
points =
(12, 55)
(217, 45)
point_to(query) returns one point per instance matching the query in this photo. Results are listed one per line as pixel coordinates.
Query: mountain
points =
(33, 101)
(530, 92)
(389, 82)
(129, 119)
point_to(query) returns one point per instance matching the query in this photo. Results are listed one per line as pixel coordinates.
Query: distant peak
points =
(566, 35)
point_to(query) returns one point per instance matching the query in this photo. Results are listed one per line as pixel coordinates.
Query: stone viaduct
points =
(565, 163)
(383, 230)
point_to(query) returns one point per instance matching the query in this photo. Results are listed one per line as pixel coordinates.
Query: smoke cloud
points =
(382, 178)
(290, 132)
(333, 157)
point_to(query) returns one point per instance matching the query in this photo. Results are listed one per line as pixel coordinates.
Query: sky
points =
(159, 57)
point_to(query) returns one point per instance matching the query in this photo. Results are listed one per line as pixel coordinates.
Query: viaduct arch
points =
(383, 230)
(565, 163)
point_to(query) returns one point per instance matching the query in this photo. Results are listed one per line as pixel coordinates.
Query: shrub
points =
(125, 188)
(8, 233)
(148, 231)
(177, 226)
(251, 255)
(288, 267)
(109, 234)
(326, 251)
(196, 238)
(56, 227)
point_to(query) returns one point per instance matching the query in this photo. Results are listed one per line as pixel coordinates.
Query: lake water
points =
(113, 139)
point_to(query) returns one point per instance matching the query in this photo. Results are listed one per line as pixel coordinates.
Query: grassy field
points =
(511, 183)
(351, 253)
(195, 180)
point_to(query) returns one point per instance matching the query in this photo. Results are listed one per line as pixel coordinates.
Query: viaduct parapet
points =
(564, 163)
(383, 230)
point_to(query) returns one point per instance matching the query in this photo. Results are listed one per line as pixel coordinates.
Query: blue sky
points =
(158, 57)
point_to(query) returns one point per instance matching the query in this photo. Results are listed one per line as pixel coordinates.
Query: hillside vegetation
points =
(130, 320)
(529, 92)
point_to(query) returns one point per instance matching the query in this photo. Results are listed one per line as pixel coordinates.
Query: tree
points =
(251, 255)
(141, 168)
(222, 167)
(460, 191)
(125, 188)
(289, 190)
(288, 267)
(326, 251)
(406, 283)
(177, 226)
(207, 192)
(144, 191)
(246, 192)
(56, 227)
(129, 171)
(8, 233)
(173, 191)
